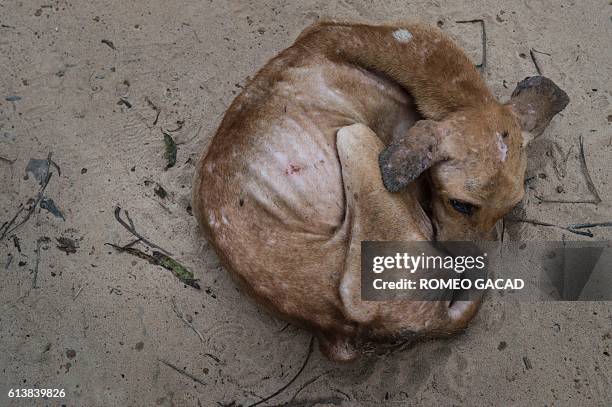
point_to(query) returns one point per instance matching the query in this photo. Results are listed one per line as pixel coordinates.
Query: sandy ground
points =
(99, 322)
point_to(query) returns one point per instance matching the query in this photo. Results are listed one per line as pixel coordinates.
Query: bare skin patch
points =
(402, 35)
(502, 147)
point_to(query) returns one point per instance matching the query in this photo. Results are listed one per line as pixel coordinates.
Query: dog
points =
(339, 139)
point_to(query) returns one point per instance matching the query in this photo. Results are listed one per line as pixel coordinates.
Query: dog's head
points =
(476, 158)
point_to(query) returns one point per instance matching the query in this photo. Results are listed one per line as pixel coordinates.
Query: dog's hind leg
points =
(372, 212)
(375, 214)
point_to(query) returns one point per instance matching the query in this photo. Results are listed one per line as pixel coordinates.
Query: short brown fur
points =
(291, 183)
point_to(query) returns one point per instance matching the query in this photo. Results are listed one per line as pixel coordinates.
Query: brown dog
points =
(291, 182)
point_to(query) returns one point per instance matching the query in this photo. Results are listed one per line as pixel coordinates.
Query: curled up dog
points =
(339, 139)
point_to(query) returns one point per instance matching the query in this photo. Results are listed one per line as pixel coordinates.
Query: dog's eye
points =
(463, 207)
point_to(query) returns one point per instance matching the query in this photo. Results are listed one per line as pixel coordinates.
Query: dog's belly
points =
(285, 161)
(270, 192)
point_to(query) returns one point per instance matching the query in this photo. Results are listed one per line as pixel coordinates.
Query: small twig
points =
(299, 372)
(306, 384)
(109, 43)
(483, 65)
(587, 174)
(132, 229)
(6, 225)
(213, 357)
(160, 259)
(156, 117)
(125, 102)
(535, 62)
(34, 205)
(35, 277)
(132, 243)
(182, 318)
(77, 294)
(154, 107)
(127, 216)
(577, 232)
(541, 52)
(53, 163)
(183, 372)
(589, 181)
(16, 243)
(569, 151)
(341, 392)
(7, 160)
(527, 363)
(565, 201)
(540, 223)
(32, 208)
(533, 222)
(591, 225)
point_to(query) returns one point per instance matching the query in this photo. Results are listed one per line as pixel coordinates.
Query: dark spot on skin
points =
(522, 55)
(293, 169)
(83, 170)
(70, 353)
(139, 346)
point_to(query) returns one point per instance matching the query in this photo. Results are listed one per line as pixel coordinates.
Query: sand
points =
(101, 324)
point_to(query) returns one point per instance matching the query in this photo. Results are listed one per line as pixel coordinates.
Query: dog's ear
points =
(402, 161)
(536, 100)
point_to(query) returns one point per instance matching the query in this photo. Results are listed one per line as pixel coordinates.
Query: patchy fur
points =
(291, 183)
